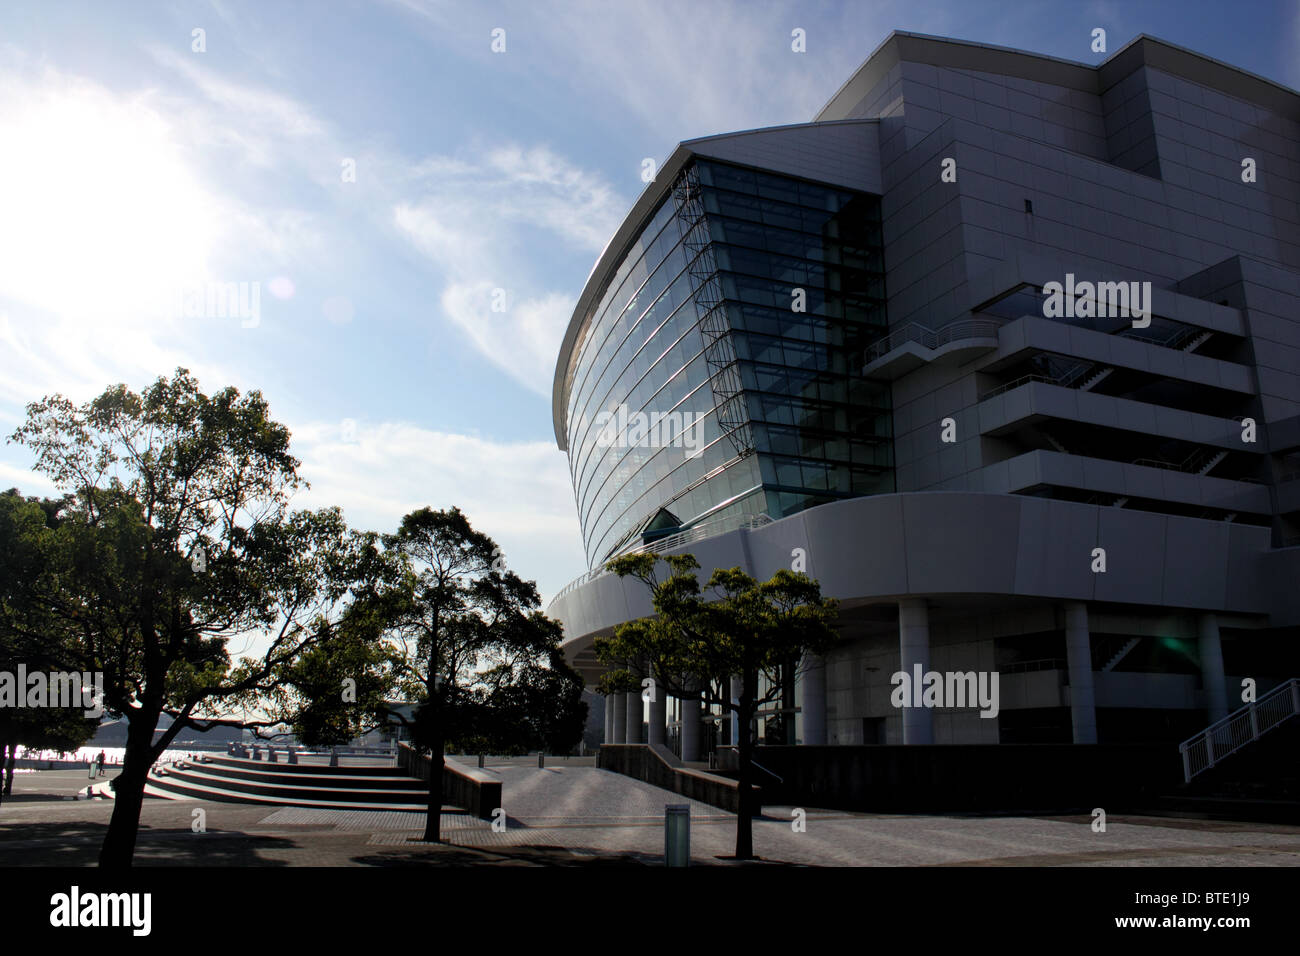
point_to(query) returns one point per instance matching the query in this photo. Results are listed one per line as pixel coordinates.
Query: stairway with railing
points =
(1088, 374)
(1240, 728)
(1200, 462)
(931, 338)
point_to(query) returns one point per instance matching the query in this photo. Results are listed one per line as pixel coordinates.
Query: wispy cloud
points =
(380, 471)
(475, 220)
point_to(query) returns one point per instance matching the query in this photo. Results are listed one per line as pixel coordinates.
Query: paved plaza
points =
(579, 815)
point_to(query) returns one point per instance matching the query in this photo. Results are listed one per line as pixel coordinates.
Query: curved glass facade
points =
(643, 433)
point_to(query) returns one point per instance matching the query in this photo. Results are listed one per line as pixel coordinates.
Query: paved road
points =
(580, 815)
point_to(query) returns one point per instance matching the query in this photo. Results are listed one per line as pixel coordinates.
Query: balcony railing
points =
(706, 529)
(916, 332)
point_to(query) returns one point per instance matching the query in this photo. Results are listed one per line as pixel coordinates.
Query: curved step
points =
(174, 788)
(271, 775)
(295, 791)
(313, 769)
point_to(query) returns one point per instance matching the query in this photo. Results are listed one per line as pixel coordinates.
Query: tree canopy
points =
(700, 637)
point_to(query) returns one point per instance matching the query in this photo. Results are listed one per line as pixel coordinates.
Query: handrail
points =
(1245, 725)
(930, 338)
(1017, 383)
(1067, 380)
(1180, 335)
(755, 763)
(705, 529)
(1190, 465)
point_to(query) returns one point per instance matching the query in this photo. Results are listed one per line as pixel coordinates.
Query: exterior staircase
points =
(1211, 462)
(1096, 378)
(1240, 728)
(1120, 654)
(359, 786)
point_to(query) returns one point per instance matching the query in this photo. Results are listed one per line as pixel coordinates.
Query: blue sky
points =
(133, 166)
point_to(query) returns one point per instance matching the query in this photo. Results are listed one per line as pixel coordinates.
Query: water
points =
(113, 756)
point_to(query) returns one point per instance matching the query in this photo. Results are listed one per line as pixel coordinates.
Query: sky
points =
(371, 174)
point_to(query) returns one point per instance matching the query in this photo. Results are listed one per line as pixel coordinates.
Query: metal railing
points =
(706, 529)
(1029, 667)
(1191, 465)
(1227, 736)
(931, 339)
(1180, 336)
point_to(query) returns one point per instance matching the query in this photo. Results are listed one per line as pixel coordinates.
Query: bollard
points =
(480, 761)
(541, 759)
(677, 834)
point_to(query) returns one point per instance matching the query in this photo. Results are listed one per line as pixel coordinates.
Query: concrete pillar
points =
(692, 708)
(609, 719)
(658, 725)
(618, 703)
(737, 688)
(1211, 654)
(635, 713)
(914, 649)
(812, 708)
(1078, 653)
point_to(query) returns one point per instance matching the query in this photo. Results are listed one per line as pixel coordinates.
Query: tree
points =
(467, 620)
(336, 690)
(534, 701)
(699, 639)
(29, 635)
(43, 728)
(180, 539)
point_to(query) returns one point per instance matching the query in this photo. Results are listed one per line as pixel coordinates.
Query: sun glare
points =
(100, 217)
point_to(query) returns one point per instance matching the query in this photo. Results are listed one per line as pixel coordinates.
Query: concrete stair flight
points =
(1121, 654)
(1096, 379)
(240, 780)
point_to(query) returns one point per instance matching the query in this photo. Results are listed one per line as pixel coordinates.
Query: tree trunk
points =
(745, 739)
(6, 769)
(433, 817)
(119, 843)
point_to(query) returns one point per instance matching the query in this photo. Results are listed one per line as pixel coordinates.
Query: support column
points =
(656, 731)
(1211, 654)
(618, 703)
(1078, 653)
(812, 710)
(737, 688)
(634, 709)
(692, 708)
(609, 718)
(914, 649)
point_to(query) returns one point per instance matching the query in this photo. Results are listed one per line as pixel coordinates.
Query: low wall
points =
(471, 789)
(656, 764)
(940, 777)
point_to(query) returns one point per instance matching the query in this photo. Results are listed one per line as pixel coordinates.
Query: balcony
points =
(907, 349)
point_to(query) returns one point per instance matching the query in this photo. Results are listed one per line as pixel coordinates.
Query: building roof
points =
(898, 47)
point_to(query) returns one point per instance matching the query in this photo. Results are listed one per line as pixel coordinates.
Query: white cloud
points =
(680, 68)
(473, 220)
(523, 340)
(517, 492)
